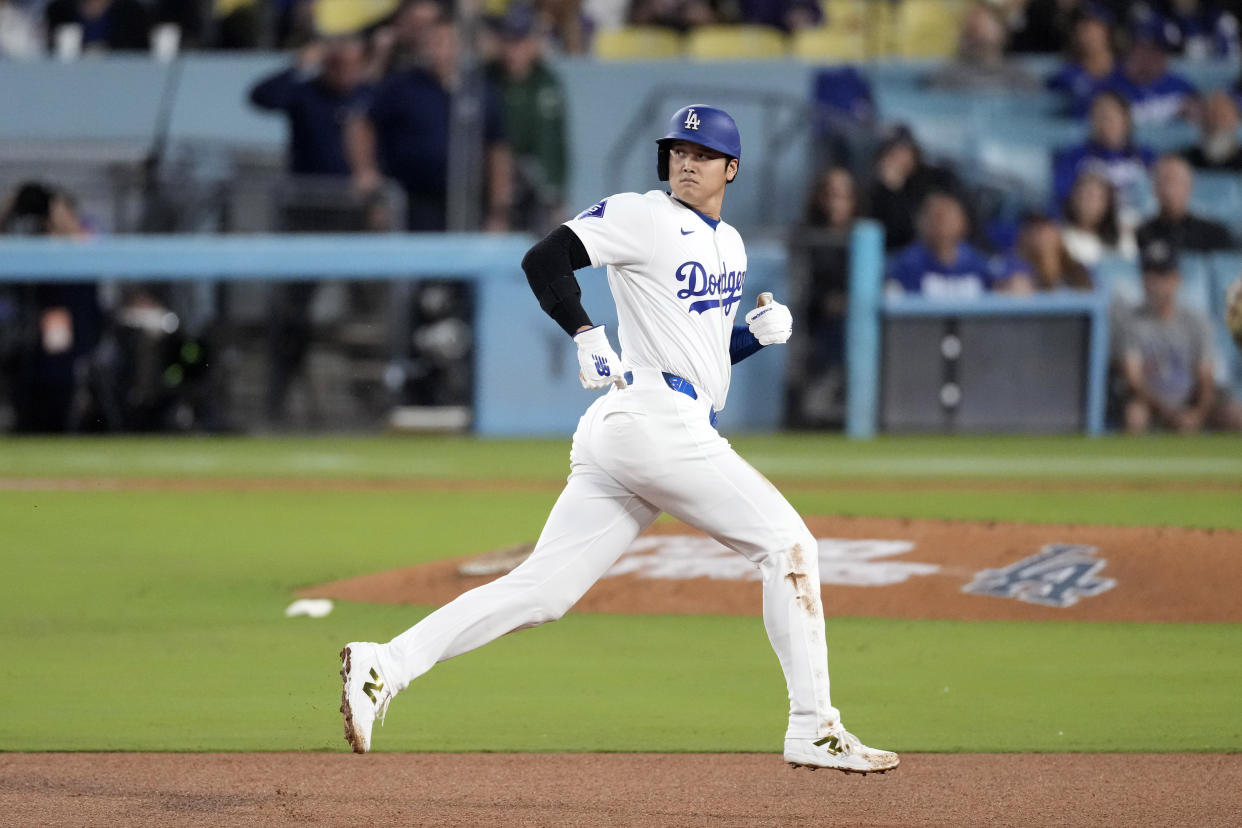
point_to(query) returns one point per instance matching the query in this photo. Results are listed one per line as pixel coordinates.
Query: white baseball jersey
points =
(676, 280)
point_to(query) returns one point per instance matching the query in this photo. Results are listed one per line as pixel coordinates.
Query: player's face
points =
(697, 174)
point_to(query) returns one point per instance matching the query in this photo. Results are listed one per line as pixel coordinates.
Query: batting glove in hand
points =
(598, 363)
(772, 324)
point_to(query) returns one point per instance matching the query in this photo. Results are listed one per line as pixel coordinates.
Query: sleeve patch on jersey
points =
(595, 212)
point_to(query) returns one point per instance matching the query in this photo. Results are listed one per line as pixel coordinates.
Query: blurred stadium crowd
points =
(368, 98)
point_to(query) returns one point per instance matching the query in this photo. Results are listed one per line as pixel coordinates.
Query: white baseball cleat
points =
(840, 751)
(365, 693)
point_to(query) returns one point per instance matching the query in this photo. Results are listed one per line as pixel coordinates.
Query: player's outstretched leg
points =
(677, 461)
(592, 523)
(793, 615)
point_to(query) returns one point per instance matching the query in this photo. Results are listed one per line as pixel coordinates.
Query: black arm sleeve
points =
(549, 267)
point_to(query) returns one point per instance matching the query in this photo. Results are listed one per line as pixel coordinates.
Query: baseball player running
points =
(649, 445)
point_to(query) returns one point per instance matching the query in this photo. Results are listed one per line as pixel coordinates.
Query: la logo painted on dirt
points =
(1057, 576)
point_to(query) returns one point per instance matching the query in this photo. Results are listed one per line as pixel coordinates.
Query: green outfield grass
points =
(808, 457)
(152, 619)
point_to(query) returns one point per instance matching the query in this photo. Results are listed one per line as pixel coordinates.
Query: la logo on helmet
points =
(692, 120)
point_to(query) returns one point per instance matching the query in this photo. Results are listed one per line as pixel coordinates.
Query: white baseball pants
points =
(638, 452)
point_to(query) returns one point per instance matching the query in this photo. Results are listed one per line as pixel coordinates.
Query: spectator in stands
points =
(1109, 149)
(20, 35)
(902, 180)
(941, 264)
(981, 65)
(1091, 226)
(1218, 148)
(1193, 29)
(317, 94)
(832, 209)
(1092, 61)
(1174, 224)
(107, 25)
(535, 108)
(786, 15)
(405, 132)
(1155, 95)
(1165, 356)
(61, 321)
(1044, 259)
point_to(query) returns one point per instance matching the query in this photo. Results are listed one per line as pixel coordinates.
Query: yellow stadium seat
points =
(338, 17)
(637, 43)
(227, 7)
(928, 28)
(495, 8)
(735, 43)
(849, 13)
(829, 44)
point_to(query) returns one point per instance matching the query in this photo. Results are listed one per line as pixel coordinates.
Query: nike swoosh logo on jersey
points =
(686, 232)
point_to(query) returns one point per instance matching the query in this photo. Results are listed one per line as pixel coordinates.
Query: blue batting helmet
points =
(704, 125)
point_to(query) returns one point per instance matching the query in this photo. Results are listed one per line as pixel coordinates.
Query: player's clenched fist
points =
(598, 363)
(771, 324)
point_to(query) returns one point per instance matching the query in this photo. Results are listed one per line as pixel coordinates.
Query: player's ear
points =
(731, 170)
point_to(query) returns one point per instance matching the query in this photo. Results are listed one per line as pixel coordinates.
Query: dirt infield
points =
(137, 789)
(899, 568)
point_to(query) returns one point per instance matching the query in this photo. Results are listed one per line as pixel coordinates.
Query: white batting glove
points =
(772, 324)
(598, 363)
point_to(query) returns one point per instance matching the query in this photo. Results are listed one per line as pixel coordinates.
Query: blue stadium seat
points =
(1196, 290)
(1119, 278)
(1218, 195)
(1207, 74)
(1145, 197)
(1171, 137)
(1043, 106)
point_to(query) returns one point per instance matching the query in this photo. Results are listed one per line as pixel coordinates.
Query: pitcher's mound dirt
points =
(614, 789)
(898, 568)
